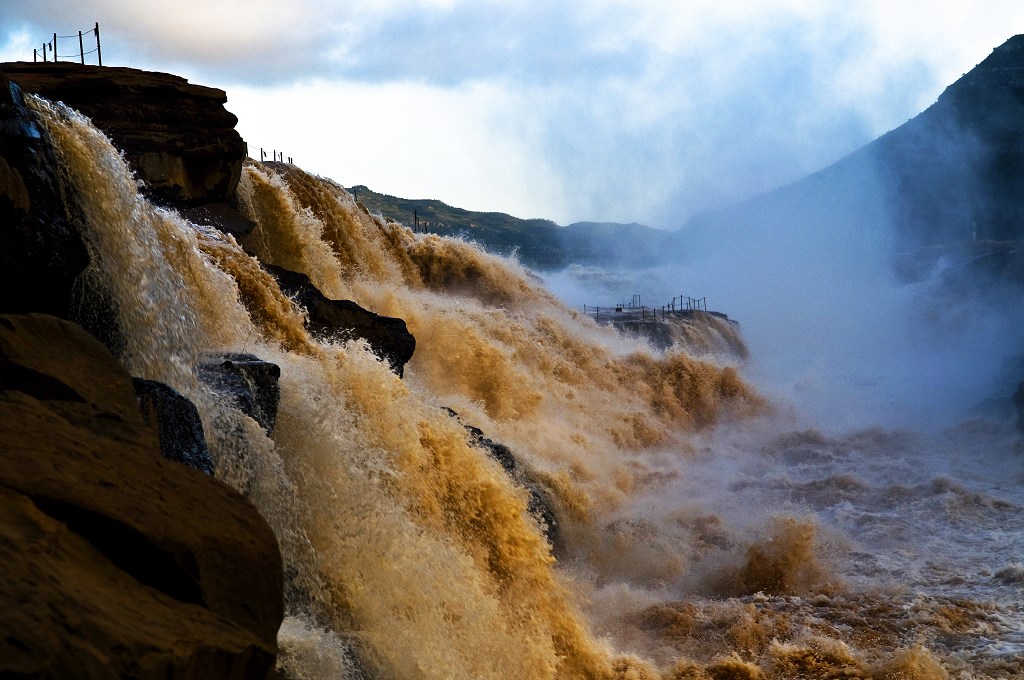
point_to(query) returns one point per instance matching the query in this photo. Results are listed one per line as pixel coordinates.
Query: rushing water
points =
(700, 534)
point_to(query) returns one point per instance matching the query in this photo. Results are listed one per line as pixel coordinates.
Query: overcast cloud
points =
(645, 111)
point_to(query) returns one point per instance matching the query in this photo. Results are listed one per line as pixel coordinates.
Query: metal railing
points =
(631, 311)
(275, 155)
(49, 51)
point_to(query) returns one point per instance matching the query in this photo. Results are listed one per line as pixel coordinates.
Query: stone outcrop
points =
(540, 505)
(117, 562)
(248, 382)
(177, 422)
(42, 252)
(176, 135)
(389, 337)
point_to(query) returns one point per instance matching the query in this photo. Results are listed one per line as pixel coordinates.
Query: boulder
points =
(220, 215)
(117, 562)
(178, 137)
(388, 337)
(250, 383)
(42, 253)
(177, 422)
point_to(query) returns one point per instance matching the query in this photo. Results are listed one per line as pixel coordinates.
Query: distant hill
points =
(538, 243)
(954, 173)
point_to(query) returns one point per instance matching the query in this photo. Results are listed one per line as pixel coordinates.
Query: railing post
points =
(55, 48)
(99, 52)
(34, 52)
(81, 48)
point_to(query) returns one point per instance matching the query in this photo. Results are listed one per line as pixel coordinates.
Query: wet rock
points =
(178, 137)
(42, 253)
(540, 504)
(389, 337)
(177, 421)
(222, 216)
(117, 562)
(249, 382)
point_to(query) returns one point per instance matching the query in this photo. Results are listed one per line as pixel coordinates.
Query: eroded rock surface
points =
(177, 136)
(389, 337)
(117, 563)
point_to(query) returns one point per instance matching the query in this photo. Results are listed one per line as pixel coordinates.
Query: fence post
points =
(99, 52)
(81, 48)
(55, 48)
(44, 53)
(34, 50)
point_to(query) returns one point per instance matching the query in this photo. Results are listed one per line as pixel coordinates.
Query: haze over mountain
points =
(954, 173)
(951, 175)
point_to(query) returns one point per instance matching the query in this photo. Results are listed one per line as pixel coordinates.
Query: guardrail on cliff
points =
(680, 304)
(51, 47)
(275, 155)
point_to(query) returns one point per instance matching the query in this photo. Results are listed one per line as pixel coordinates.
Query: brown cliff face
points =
(177, 136)
(117, 563)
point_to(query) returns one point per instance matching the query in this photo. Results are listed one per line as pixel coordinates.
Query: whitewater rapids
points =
(699, 538)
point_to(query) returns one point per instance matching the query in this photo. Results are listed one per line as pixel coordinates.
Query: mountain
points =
(953, 174)
(538, 243)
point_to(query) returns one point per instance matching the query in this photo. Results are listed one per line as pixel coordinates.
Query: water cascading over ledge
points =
(384, 512)
(408, 551)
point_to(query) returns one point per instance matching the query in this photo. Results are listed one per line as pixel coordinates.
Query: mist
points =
(837, 337)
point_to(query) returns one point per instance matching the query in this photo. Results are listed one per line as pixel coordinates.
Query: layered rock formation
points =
(117, 562)
(389, 337)
(177, 135)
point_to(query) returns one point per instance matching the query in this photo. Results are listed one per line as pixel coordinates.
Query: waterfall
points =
(409, 551)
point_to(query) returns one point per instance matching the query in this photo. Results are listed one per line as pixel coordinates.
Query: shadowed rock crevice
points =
(129, 550)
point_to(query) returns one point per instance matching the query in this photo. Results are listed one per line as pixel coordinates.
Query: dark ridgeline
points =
(949, 181)
(538, 243)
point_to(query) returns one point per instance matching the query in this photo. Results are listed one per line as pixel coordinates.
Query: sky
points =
(604, 110)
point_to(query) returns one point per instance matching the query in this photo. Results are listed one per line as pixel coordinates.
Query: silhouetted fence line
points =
(49, 51)
(275, 155)
(630, 311)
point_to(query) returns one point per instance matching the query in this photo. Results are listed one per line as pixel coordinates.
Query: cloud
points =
(609, 110)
